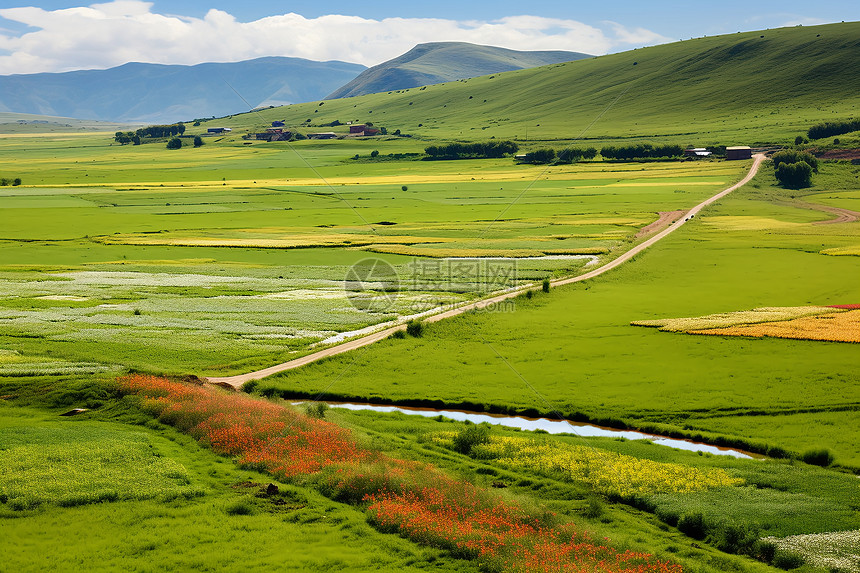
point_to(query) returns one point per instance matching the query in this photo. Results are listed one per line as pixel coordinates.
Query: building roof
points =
(738, 147)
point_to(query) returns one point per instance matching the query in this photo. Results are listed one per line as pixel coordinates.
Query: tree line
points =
(641, 151)
(831, 128)
(153, 131)
(488, 150)
(541, 156)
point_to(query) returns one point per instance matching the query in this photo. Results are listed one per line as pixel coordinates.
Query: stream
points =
(549, 426)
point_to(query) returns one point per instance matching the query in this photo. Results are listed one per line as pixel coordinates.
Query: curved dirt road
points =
(240, 379)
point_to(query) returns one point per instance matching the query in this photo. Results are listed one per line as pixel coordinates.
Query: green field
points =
(580, 355)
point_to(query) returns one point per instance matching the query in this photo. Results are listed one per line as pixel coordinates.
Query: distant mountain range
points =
(155, 93)
(439, 62)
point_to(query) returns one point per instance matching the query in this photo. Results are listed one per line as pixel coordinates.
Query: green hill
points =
(753, 87)
(439, 62)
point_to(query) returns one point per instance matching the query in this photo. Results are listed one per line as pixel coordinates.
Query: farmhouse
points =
(324, 135)
(696, 152)
(217, 130)
(739, 152)
(363, 130)
(274, 134)
(277, 124)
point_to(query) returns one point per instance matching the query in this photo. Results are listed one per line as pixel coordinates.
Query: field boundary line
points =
(385, 331)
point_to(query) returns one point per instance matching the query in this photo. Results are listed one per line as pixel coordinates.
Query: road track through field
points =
(240, 379)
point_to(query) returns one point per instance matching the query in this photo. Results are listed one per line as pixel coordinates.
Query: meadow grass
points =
(235, 524)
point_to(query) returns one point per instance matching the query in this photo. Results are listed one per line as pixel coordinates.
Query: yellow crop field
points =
(835, 327)
(607, 472)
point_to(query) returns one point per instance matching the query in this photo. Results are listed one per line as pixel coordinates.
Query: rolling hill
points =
(753, 87)
(154, 93)
(440, 62)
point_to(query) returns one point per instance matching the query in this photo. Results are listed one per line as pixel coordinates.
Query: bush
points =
(404, 188)
(736, 538)
(249, 386)
(785, 560)
(198, 141)
(818, 457)
(316, 409)
(174, 143)
(794, 175)
(374, 153)
(471, 436)
(692, 525)
(540, 156)
(415, 328)
(594, 509)
(546, 285)
(799, 140)
(794, 156)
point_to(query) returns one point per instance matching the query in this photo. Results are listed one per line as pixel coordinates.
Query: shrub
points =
(794, 175)
(174, 143)
(540, 156)
(692, 525)
(794, 156)
(398, 335)
(799, 140)
(818, 457)
(16, 181)
(415, 328)
(198, 141)
(374, 153)
(471, 436)
(249, 386)
(404, 188)
(736, 538)
(785, 560)
(316, 409)
(546, 285)
(594, 509)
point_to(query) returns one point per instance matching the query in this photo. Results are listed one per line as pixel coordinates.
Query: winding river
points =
(549, 426)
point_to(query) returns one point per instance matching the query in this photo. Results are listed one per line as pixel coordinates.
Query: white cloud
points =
(113, 33)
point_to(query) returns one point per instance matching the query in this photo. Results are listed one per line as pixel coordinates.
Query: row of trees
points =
(641, 151)
(490, 149)
(794, 169)
(4, 182)
(153, 131)
(540, 156)
(176, 143)
(831, 128)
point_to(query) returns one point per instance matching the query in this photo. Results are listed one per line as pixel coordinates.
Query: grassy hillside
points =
(439, 62)
(754, 87)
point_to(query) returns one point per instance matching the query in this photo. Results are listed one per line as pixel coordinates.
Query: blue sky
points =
(63, 35)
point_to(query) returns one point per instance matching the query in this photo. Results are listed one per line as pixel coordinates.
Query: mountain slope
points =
(155, 93)
(439, 62)
(737, 88)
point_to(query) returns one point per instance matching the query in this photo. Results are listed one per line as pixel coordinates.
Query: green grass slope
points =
(439, 62)
(754, 87)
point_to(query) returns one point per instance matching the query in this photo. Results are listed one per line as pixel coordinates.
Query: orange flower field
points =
(413, 499)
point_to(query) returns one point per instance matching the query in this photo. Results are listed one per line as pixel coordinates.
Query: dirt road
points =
(238, 380)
